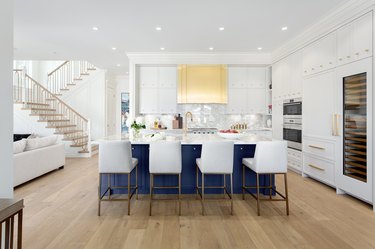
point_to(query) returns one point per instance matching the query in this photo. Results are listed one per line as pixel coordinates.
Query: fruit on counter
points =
(229, 131)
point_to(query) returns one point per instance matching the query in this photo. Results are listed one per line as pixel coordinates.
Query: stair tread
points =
(78, 145)
(33, 103)
(55, 120)
(45, 114)
(60, 126)
(83, 151)
(38, 109)
(68, 132)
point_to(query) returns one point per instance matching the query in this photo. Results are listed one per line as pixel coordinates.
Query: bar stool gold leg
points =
(202, 199)
(270, 193)
(179, 194)
(151, 189)
(257, 183)
(286, 194)
(136, 181)
(224, 180)
(129, 194)
(99, 192)
(197, 185)
(231, 194)
(243, 181)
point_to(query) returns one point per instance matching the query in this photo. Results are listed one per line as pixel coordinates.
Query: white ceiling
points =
(62, 29)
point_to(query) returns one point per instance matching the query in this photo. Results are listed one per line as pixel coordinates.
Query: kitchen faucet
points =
(185, 125)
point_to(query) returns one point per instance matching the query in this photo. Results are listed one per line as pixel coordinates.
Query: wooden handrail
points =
(58, 68)
(67, 106)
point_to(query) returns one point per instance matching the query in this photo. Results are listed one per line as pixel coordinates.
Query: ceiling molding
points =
(339, 17)
(201, 58)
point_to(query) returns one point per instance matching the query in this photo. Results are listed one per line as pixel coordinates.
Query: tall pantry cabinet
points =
(337, 109)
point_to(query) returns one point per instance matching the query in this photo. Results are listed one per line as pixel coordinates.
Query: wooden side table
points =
(9, 209)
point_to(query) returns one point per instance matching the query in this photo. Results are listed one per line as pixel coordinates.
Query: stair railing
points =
(66, 74)
(31, 93)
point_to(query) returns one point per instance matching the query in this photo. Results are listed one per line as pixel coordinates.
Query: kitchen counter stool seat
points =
(270, 158)
(165, 159)
(115, 157)
(217, 159)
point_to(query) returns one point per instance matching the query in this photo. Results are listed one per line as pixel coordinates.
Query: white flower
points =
(129, 121)
(140, 120)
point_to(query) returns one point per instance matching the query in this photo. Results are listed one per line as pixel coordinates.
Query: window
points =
(124, 111)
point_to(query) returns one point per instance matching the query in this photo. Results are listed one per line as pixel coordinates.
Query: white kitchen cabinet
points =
(320, 55)
(148, 76)
(237, 101)
(277, 119)
(148, 101)
(158, 89)
(246, 90)
(237, 77)
(319, 104)
(355, 40)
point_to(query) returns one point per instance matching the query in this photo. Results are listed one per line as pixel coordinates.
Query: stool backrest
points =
(165, 157)
(271, 156)
(217, 157)
(115, 157)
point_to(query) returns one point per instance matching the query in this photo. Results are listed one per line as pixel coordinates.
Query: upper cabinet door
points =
(237, 77)
(168, 77)
(320, 55)
(363, 37)
(257, 77)
(148, 76)
(355, 40)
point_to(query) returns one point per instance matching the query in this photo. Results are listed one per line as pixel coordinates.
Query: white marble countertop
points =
(191, 139)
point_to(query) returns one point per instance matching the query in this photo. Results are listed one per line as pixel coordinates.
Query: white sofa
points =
(36, 158)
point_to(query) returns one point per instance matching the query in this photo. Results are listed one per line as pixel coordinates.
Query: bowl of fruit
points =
(230, 134)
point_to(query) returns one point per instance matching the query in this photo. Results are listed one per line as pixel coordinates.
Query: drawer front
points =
(318, 147)
(294, 154)
(321, 169)
(293, 164)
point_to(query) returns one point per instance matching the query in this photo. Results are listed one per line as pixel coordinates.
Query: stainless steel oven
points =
(292, 125)
(292, 107)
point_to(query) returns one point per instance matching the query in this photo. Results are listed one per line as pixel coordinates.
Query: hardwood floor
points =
(61, 212)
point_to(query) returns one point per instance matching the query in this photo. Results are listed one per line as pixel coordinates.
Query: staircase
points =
(67, 75)
(51, 110)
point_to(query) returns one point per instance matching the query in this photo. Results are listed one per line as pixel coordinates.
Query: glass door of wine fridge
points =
(356, 170)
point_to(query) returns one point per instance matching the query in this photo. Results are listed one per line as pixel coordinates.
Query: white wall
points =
(6, 99)
(88, 98)
(122, 83)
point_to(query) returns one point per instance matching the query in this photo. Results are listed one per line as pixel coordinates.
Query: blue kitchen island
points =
(191, 150)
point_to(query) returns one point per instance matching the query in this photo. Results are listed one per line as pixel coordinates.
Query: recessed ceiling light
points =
(127, 72)
(211, 48)
(260, 48)
(114, 48)
(162, 48)
(119, 65)
(158, 28)
(95, 28)
(221, 28)
(284, 28)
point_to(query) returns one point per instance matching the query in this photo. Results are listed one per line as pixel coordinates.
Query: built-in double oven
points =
(292, 125)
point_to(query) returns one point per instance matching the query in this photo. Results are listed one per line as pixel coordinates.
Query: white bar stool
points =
(270, 158)
(165, 159)
(115, 157)
(217, 159)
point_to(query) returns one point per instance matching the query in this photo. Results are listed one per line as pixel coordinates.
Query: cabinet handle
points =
(194, 148)
(316, 147)
(337, 125)
(316, 167)
(241, 148)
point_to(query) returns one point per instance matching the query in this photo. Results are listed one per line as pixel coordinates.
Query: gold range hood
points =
(200, 84)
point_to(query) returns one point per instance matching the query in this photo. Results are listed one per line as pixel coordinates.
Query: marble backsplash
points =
(211, 116)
